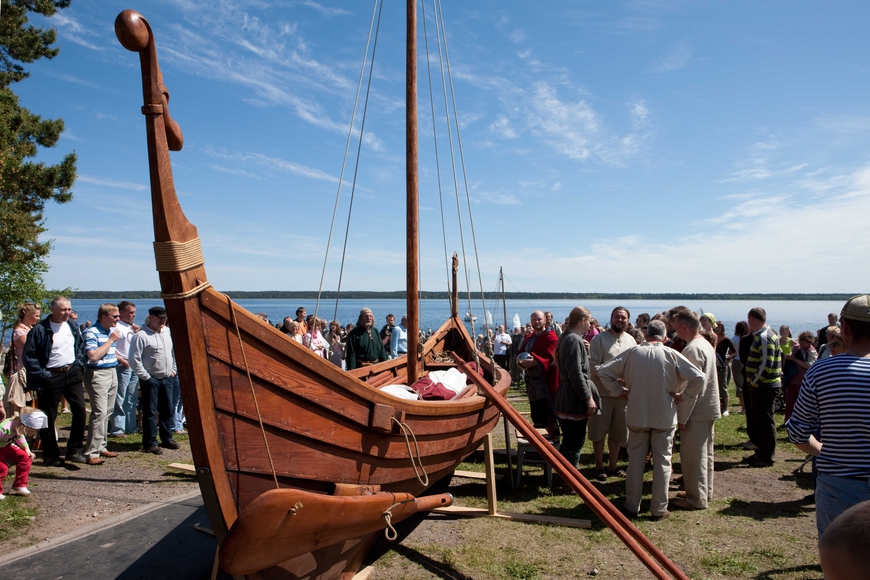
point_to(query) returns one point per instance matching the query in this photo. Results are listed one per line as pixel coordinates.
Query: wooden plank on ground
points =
(531, 518)
(182, 467)
(474, 474)
(364, 573)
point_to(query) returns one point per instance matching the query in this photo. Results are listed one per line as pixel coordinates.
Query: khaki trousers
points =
(696, 458)
(102, 385)
(639, 441)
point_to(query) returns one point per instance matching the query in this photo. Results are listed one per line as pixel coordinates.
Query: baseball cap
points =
(857, 308)
(158, 311)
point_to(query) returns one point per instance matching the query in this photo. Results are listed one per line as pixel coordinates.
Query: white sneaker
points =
(2, 496)
(19, 491)
(725, 413)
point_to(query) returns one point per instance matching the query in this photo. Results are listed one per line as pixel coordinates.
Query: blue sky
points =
(609, 147)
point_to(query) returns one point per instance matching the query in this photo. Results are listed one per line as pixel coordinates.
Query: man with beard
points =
(652, 378)
(364, 345)
(611, 422)
(697, 415)
(541, 373)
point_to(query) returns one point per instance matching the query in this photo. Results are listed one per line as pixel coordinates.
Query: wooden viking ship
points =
(299, 461)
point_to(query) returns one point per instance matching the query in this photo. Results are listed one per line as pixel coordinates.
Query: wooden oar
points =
(284, 523)
(647, 552)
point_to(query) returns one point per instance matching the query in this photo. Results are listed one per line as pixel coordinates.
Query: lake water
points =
(798, 315)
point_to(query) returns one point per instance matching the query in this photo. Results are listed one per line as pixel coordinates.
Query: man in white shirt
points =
(123, 419)
(54, 358)
(611, 422)
(500, 347)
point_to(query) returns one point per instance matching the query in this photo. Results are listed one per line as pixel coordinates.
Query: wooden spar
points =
(647, 552)
(454, 288)
(412, 191)
(503, 301)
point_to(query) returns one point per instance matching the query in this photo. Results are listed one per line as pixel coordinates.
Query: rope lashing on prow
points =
(405, 430)
(390, 532)
(180, 257)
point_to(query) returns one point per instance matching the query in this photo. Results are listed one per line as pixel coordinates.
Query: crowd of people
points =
(630, 387)
(128, 373)
(636, 387)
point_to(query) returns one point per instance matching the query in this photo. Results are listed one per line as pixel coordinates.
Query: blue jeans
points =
(177, 406)
(834, 495)
(123, 418)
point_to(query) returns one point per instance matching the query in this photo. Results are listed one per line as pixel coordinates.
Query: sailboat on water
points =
(298, 461)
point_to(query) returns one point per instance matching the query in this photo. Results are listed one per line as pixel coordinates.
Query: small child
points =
(843, 546)
(14, 448)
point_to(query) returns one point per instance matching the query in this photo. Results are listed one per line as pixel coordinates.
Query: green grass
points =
(16, 514)
(758, 526)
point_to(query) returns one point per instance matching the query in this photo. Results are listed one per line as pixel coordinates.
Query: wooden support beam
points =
(456, 510)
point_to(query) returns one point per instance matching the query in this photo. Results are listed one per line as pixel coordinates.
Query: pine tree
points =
(26, 185)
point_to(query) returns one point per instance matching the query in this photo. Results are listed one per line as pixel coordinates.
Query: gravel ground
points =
(76, 495)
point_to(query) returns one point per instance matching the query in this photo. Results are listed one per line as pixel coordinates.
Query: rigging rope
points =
(344, 164)
(486, 325)
(437, 158)
(253, 393)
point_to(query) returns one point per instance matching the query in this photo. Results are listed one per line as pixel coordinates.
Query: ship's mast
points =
(412, 189)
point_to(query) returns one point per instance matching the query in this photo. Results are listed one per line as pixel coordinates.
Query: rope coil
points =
(178, 256)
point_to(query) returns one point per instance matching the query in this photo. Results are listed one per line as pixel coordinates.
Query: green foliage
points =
(22, 282)
(20, 42)
(26, 185)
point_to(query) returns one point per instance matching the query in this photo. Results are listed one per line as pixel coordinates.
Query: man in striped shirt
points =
(101, 380)
(763, 371)
(835, 400)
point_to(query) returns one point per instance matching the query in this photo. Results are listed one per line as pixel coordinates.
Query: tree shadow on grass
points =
(766, 510)
(780, 572)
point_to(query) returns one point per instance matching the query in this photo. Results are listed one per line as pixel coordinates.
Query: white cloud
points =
(71, 29)
(326, 10)
(757, 165)
(110, 183)
(704, 265)
(518, 36)
(502, 127)
(275, 163)
(679, 57)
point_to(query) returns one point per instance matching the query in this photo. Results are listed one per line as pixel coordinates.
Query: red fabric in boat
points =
(430, 390)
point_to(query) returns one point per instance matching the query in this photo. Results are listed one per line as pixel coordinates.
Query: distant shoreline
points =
(427, 295)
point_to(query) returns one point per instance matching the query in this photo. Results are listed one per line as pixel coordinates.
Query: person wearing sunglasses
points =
(101, 381)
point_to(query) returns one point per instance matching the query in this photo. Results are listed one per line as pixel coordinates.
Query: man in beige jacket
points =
(697, 416)
(652, 377)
